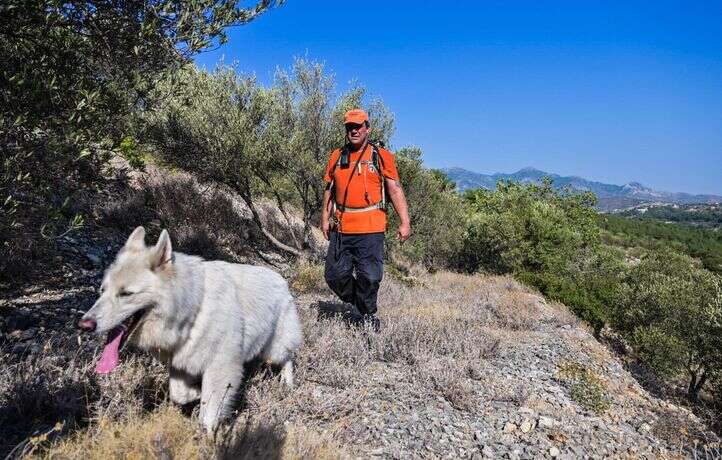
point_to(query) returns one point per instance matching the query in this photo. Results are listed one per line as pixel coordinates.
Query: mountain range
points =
(610, 196)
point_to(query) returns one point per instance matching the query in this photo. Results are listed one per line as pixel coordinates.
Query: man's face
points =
(357, 134)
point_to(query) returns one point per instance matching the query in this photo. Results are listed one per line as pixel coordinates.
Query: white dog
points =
(205, 319)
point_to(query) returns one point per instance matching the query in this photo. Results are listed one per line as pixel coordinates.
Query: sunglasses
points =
(352, 126)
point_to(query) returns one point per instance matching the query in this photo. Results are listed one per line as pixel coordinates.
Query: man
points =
(354, 216)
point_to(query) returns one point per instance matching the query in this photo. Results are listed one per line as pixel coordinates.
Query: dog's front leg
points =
(184, 388)
(218, 393)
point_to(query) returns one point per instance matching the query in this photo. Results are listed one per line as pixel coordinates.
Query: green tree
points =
(261, 142)
(671, 310)
(528, 228)
(307, 119)
(437, 214)
(547, 238)
(73, 73)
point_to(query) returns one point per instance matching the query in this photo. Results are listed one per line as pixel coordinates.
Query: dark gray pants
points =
(360, 255)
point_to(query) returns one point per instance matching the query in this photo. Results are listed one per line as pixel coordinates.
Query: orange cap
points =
(356, 116)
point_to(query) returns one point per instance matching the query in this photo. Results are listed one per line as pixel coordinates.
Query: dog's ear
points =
(136, 240)
(162, 252)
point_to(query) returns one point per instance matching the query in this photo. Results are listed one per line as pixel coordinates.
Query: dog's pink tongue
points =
(109, 359)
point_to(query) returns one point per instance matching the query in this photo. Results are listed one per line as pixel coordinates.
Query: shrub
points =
(585, 388)
(528, 228)
(308, 278)
(436, 213)
(671, 310)
(547, 238)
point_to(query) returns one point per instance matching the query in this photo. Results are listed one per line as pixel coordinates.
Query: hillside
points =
(610, 196)
(465, 366)
(693, 215)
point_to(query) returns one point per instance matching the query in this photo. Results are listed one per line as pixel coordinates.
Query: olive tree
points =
(307, 118)
(73, 73)
(261, 142)
(671, 310)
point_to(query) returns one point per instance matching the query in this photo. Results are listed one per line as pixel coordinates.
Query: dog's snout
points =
(87, 325)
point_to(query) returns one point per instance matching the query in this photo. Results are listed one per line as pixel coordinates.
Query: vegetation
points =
(698, 215)
(703, 244)
(671, 310)
(437, 213)
(259, 141)
(546, 237)
(74, 73)
(585, 387)
(83, 81)
(668, 305)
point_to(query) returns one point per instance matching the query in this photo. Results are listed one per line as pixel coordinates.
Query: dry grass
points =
(53, 394)
(167, 433)
(437, 341)
(164, 433)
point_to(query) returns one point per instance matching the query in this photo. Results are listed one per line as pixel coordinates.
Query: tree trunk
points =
(257, 220)
(695, 385)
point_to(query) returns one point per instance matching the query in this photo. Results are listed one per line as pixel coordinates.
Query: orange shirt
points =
(364, 189)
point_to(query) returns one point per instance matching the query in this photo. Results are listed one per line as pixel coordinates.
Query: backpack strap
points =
(344, 152)
(378, 162)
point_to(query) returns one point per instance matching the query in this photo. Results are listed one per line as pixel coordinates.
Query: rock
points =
(509, 427)
(545, 422)
(28, 334)
(488, 452)
(526, 426)
(21, 348)
(645, 427)
(94, 259)
(554, 452)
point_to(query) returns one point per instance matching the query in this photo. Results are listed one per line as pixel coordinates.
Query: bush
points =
(436, 213)
(547, 238)
(308, 278)
(74, 76)
(528, 228)
(671, 310)
(585, 388)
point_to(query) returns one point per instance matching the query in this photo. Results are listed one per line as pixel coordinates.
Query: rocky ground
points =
(464, 367)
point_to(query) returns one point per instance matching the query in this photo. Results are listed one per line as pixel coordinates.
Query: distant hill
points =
(610, 196)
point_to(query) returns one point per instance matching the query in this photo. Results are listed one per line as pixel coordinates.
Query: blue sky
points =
(610, 91)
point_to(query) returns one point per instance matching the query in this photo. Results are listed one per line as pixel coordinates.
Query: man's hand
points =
(325, 212)
(325, 228)
(404, 232)
(396, 193)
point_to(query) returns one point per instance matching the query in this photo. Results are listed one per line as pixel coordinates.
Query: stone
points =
(509, 427)
(545, 422)
(554, 452)
(28, 334)
(488, 452)
(526, 426)
(94, 259)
